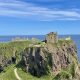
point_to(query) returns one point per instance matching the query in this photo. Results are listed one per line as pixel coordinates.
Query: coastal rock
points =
(53, 55)
(35, 61)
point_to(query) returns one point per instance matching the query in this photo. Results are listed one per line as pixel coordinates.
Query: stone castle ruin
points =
(52, 37)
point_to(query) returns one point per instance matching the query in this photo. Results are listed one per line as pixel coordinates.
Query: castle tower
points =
(52, 37)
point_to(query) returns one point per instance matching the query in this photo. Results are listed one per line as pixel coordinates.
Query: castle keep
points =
(52, 37)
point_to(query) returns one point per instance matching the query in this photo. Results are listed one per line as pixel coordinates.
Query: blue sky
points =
(25, 17)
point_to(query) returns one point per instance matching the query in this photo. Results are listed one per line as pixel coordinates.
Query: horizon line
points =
(33, 34)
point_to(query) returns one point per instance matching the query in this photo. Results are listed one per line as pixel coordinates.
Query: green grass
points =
(28, 76)
(8, 74)
(8, 49)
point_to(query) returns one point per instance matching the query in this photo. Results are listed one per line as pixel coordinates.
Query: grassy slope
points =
(8, 74)
(7, 49)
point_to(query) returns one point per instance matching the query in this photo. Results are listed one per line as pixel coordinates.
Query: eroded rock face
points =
(4, 62)
(37, 59)
(62, 56)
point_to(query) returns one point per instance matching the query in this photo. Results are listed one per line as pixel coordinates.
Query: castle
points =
(52, 37)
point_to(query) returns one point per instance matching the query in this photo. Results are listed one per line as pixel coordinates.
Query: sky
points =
(39, 17)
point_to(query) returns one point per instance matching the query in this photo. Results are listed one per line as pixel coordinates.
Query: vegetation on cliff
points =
(39, 60)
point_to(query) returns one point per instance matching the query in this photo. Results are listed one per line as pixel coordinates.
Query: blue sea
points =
(76, 39)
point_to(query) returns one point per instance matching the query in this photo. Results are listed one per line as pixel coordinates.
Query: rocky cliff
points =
(52, 57)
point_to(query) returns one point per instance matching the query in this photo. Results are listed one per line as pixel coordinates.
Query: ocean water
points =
(75, 38)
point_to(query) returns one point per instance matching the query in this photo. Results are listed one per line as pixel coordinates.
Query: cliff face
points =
(10, 52)
(35, 60)
(4, 62)
(62, 55)
(57, 56)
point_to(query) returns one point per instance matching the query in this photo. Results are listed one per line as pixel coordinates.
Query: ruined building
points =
(52, 37)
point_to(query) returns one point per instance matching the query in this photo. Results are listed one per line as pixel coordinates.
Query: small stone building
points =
(52, 37)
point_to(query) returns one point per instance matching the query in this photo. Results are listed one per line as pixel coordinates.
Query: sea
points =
(75, 38)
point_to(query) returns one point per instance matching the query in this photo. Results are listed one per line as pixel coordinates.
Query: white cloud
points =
(21, 9)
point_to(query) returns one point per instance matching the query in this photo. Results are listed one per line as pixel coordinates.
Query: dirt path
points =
(16, 74)
(77, 70)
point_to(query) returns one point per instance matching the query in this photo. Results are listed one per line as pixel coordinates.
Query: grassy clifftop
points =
(8, 49)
